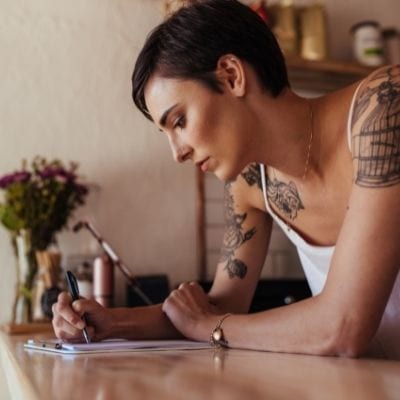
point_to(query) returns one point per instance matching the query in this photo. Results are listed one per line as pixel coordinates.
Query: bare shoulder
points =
(247, 188)
(375, 128)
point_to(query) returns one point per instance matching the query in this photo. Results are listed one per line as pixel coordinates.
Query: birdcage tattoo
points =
(377, 146)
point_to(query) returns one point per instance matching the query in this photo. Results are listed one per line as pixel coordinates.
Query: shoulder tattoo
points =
(252, 175)
(376, 142)
(285, 196)
(234, 237)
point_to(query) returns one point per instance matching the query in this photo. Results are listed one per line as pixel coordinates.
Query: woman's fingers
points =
(193, 293)
(67, 323)
(64, 330)
(63, 309)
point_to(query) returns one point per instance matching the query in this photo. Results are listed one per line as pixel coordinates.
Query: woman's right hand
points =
(68, 322)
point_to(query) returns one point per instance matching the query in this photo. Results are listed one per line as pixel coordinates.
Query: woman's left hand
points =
(189, 309)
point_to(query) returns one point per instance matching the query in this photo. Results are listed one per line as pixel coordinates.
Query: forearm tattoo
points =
(376, 145)
(234, 237)
(284, 196)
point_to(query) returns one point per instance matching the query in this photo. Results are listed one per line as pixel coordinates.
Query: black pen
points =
(74, 291)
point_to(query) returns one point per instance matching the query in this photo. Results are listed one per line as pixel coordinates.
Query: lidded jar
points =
(368, 43)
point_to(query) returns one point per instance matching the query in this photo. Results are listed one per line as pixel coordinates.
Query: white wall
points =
(65, 69)
(65, 92)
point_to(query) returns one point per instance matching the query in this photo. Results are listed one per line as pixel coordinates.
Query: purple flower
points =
(50, 189)
(20, 176)
(56, 172)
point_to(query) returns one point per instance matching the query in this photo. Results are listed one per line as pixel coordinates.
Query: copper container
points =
(103, 281)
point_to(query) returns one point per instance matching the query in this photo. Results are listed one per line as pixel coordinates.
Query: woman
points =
(212, 78)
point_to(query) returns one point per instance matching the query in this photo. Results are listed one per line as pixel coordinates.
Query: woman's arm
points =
(245, 244)
(344, 317)
(130, 323)
(341, 320)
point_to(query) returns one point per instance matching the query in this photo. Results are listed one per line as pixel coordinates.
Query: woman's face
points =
(203, 126)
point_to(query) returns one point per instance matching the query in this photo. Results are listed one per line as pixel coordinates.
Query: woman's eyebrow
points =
(164, 117)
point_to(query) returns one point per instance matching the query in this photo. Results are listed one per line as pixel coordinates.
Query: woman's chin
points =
(226, 176)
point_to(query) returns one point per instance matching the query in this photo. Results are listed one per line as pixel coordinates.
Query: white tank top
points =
(316, 261)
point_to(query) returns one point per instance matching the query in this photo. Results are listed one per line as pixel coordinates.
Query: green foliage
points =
(41, 199)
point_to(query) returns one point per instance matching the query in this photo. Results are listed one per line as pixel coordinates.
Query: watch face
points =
(217, 334)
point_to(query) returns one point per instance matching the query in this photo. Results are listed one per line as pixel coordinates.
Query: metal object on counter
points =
(103, 280)
(368, 43)
(84, 277)
(114, 259)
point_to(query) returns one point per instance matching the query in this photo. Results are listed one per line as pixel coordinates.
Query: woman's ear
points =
(231, 74)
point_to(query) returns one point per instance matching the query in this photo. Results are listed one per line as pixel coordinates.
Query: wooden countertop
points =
(193, 374)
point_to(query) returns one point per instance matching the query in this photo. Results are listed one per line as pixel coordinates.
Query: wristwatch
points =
(217, 338)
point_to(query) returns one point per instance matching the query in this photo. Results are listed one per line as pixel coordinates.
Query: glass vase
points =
(26, 269)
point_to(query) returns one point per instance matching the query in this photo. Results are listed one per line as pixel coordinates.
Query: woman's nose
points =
(180, 152)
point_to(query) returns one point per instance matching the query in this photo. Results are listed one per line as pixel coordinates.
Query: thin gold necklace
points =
(307, 163)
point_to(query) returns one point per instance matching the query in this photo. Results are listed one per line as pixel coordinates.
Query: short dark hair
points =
(190, 42)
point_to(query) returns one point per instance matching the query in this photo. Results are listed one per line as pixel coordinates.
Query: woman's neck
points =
(286, 133)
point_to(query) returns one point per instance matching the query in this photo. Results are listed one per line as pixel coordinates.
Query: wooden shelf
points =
(324, 75)
(333, 66)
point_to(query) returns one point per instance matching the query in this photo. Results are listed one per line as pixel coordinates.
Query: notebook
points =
(112, 345)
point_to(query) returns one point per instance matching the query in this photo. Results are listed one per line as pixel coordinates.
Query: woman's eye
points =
(179, 123)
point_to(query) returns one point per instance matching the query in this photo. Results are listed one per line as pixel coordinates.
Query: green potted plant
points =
(36, 204)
